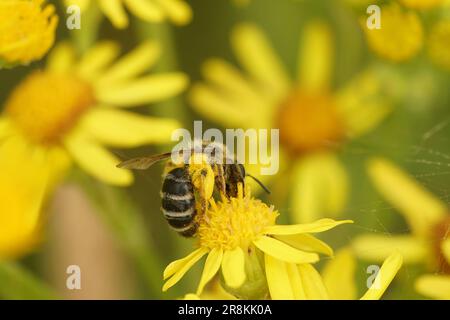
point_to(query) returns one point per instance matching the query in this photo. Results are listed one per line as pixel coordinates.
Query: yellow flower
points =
(313, 119)
(76, 108)
(239, 235)
(27, 30)
(421, 4)
(400, 37)
(176, 11)
(339, 276)
(429, 221)
(25, 180)
(439, 44)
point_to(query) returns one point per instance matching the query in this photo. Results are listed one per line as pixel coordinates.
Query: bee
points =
(188, 185)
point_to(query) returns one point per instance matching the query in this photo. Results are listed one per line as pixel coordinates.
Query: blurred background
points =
(118, 236)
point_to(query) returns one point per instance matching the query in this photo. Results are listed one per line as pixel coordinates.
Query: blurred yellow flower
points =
(25, 179)
(428, 218)
(439, 44)
(434, 286)
(27, 30)
(75, 108)
(339, 276)
(176, 11)
(400, 37)
(313, 119)
(421, 4)
(239, 234)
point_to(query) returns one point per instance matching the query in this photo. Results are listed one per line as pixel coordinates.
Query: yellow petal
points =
(384, 277)
(306, 242)
(148, 89)
(97, 161)
(278, 279)
(434, 286)
(233, 267)
(115, 12)
(254, 52)
(96, 59)
(420, 208)
(363, 104)
(5, 127)
(316, 57)
(283, 252)
(124, 129)
(220, 108)
(445, 247)
(61, 58)
(182, 267)
(318, 226)
(377, 247)
(296, 282)
(191, 296)
(176, 265)
(339, 275)
(179, 11)
(320, 188)
(24, 184)
(83, 4)
(132, 64)
(312, 283)
(212, 265)
(232, 82)
(146, 10)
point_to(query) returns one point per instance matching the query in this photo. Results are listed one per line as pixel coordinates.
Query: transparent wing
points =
(143, 163)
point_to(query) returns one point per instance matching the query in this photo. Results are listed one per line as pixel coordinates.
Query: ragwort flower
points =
(76, 109)
(313, 119)
(429, 221)
(176, 11)
(240, 238)
(27, 30)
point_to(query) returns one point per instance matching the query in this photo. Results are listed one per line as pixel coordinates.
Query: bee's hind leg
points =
(220, 179)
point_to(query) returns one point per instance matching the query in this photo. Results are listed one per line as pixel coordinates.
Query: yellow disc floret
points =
(234, 222)
(45, 106)
(309, 122)
(400, 36)
(27, 30)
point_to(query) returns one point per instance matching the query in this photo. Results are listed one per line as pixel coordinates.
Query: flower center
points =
(441, 233)
(309, 122)
(26, 30)
(234, 222)
(45, 106)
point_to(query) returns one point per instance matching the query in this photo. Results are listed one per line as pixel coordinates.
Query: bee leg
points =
(220, 179)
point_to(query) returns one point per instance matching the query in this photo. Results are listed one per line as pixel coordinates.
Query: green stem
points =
(85, 37)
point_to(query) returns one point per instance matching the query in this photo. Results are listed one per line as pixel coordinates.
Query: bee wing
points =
(143, 163)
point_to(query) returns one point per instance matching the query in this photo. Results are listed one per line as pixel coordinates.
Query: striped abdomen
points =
(178, 202)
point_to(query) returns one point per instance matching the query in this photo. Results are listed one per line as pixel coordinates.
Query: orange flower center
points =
(441, 233)
(309, 122)
(45, 106)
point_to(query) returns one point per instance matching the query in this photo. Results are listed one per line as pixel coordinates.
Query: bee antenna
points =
(260, 183)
